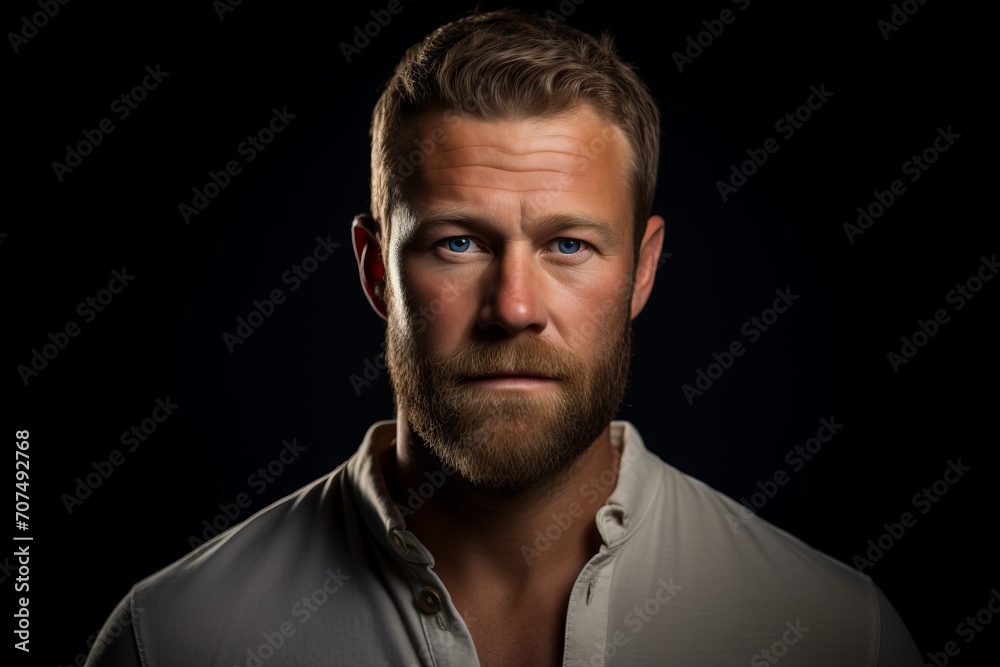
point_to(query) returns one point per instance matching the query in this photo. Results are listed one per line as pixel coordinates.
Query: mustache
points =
(527, 356)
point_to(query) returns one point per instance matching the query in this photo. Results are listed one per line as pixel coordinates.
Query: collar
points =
(617, 520)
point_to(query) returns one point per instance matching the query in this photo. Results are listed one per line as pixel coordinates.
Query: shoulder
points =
(694, 523)
(705, 530)
(323, 521)
(278, 535)
(170, 615)
(726, 567)
(267, 574)
(301, 567)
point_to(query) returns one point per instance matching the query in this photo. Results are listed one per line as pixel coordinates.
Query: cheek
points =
(439, 312)
(593, 319)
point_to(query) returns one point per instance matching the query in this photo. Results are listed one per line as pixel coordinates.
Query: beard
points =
(509, 441)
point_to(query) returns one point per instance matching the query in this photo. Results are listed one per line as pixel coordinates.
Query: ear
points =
(368, 253)
(649, 258)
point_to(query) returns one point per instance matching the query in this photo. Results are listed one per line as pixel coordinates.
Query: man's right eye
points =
(459, 244)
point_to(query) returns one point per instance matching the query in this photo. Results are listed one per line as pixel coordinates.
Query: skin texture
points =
(508, 289)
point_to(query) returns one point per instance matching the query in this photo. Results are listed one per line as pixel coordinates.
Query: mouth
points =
(510, 380)
(509, 374)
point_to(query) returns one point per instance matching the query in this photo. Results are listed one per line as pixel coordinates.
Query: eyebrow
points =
(427, 221)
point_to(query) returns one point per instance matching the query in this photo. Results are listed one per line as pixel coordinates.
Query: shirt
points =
(330, 575)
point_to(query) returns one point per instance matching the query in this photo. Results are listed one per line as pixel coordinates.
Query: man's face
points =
(508, 284)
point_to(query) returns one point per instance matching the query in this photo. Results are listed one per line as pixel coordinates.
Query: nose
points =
(513, 294)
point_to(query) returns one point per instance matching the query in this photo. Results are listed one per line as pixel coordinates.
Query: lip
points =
(510, 381)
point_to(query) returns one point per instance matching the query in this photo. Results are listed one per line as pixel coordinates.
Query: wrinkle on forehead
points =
(573, 160)
(494, 158)
(530, 146)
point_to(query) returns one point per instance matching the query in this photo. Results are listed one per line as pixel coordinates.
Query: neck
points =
(546, 533)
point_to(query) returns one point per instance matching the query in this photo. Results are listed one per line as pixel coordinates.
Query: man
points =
(503, 517)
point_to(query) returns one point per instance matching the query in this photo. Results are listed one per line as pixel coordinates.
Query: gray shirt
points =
(331, 576)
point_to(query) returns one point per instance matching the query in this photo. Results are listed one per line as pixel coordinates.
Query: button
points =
(429, 600)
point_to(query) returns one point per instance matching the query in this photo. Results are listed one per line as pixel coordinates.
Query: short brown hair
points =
(511, 65)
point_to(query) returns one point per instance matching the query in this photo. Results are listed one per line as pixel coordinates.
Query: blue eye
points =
(569, 246)
(458, 244)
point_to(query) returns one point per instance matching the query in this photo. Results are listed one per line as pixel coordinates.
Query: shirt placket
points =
(587, 616)
(448, 642)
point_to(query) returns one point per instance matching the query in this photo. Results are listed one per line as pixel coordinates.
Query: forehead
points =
(516, 170)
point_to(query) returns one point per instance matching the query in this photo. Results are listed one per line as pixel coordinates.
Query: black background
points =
(826, 357)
